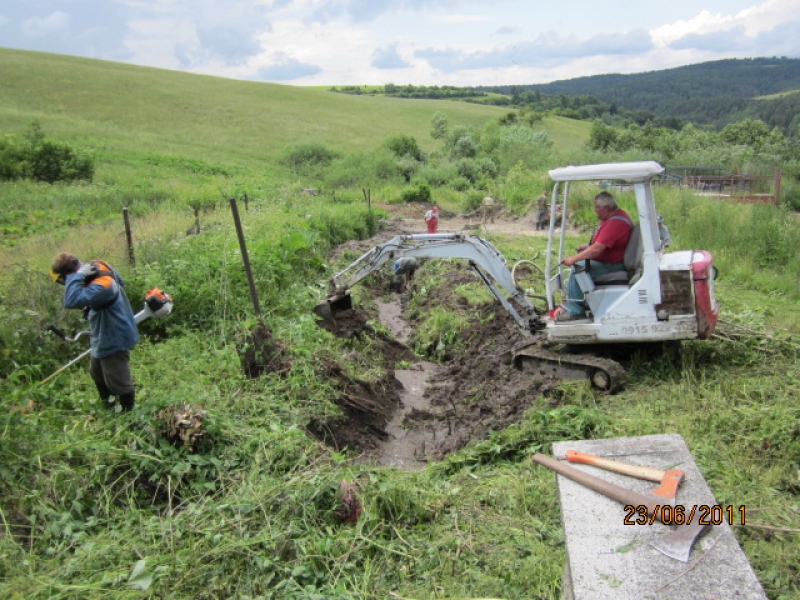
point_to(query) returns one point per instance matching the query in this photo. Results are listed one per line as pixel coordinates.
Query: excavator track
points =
(603, 373)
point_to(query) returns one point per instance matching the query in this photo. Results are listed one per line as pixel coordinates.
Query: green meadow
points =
(101, 505)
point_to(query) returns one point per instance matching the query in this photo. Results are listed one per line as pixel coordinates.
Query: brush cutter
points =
(156, 304)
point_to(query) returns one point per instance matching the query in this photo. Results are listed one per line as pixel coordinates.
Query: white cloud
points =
(462, 19)
(388, 58)
(57, 22)
(425, 42)
(284, 68)
(750, 21)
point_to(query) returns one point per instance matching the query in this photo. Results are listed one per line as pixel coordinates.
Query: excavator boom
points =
(487, 261)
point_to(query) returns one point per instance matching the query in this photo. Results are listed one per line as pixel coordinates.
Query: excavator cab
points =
(659, 297)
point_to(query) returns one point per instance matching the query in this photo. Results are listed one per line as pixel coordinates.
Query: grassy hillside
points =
(124, 113)
(164, 140)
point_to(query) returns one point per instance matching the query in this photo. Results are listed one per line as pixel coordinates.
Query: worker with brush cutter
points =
(97, 289)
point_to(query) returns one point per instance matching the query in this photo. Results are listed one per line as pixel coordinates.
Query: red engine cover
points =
(705, 302)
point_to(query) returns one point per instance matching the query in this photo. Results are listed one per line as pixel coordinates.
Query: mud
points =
(423, 411)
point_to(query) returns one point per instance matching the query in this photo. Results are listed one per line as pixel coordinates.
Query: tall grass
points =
(757, 245)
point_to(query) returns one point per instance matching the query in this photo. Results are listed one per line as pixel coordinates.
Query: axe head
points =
(678, 544)
(668, 488)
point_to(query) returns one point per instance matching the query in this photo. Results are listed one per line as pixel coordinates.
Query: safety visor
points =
(56, 277)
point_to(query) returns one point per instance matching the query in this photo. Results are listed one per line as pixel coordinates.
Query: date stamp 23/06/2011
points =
(708, 514)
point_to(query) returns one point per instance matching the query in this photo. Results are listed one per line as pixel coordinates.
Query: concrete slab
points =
(607, 559)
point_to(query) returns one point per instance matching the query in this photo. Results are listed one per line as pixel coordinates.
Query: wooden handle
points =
(608, 489)
(647, 473)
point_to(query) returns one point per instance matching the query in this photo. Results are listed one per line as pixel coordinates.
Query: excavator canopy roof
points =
(630, 172)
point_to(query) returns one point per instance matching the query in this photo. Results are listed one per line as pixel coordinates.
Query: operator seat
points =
(633, 263)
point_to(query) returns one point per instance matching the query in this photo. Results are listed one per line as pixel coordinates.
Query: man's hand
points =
(584, 253)
(88, 269)
(569, 260)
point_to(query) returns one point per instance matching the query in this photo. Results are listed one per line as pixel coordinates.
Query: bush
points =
(421, 193)
(437, 175)
(405, 145)
(13, 163)
(461, 184)
(521, 187)
(473, 200)
(43, 161)
(302, 157)
(363, 170)
(476, 169)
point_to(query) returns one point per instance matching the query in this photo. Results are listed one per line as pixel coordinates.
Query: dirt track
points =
(410, 219)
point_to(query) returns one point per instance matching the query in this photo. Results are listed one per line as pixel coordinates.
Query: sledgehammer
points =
(669, 480)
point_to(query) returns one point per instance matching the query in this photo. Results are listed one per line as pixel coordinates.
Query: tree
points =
(750, 132)
(440, 126)
(405, 145)
(602, 137)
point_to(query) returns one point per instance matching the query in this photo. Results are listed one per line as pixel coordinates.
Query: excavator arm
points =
(487, 261)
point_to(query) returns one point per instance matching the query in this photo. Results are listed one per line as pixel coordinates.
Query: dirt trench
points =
(421, 411)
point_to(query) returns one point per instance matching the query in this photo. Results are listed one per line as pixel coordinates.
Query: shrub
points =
(421, 193)
(473, 200)
(476, 169)
(405, 145)
(437, 175)
(522, 186)
(51, 162)
(43, 161)
(461, 184)
(302, 157)
(363, 170)
(13, 163)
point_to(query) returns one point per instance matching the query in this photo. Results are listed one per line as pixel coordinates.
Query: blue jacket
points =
(110, 315)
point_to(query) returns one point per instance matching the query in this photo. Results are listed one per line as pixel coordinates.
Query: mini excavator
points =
(660, 297)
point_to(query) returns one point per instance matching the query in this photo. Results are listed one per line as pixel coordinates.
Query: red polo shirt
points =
(614, 234)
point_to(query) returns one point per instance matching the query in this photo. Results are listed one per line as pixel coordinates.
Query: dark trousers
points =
(112, 374)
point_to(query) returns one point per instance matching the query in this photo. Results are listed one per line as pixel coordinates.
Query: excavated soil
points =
(420, 411)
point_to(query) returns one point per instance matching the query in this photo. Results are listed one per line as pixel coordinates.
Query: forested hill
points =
(712, 93)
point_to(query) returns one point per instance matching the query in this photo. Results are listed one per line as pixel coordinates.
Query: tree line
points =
(710, 95)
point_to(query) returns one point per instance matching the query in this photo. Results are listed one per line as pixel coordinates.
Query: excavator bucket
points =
(328, 308)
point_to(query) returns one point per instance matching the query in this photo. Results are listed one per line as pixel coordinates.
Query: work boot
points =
(126, 401)
(105, 395)
(103, 390)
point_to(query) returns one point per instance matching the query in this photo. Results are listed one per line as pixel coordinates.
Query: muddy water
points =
(405, 448)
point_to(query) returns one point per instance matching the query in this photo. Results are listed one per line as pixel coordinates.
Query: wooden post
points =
(777, 187)
(128, 235)
(246, 204)
(245, 258)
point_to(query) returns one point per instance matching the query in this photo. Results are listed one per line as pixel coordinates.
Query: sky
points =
(418, 42)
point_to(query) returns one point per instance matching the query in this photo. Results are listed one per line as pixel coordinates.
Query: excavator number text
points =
(645, 329)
